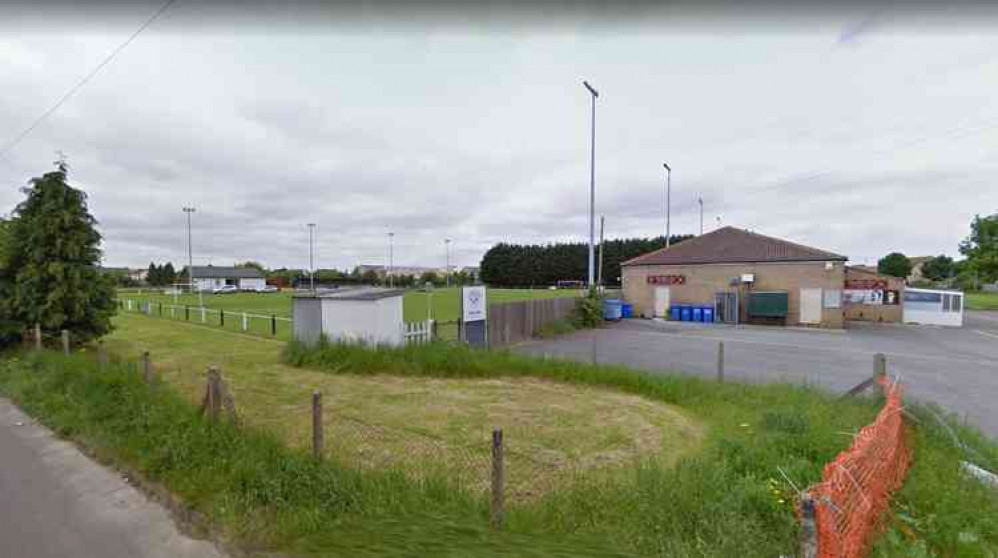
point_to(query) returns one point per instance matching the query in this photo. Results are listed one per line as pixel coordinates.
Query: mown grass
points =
(419, 422)
(445, 302)
(981, 300)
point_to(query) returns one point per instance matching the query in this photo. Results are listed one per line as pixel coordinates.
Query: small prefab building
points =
(372, 316)
(933, 307)
(210, 277)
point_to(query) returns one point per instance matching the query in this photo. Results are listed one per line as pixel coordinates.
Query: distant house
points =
(135, 274)
(211, 277)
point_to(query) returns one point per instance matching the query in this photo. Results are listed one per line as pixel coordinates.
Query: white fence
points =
(412, 332)
(417, 332)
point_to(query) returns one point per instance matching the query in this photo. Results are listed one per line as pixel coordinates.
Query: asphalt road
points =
(57, 503)
(955, 367)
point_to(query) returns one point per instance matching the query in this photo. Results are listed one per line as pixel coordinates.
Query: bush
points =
(588, 311)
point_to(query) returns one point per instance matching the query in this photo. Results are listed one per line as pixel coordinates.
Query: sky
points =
(860, 132)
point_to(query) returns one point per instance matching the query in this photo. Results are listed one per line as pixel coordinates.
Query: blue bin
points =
(685, 313)
(698, 313)
(612, 309)
(708, 314)
(674, 313)
(627, 310)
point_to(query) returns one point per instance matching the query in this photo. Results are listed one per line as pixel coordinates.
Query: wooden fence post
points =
(65, 342)
(720, 361)
(38, 336)
(146, 367)
(221, 318)
(187, 313)
(160, 308)
(273, 324)
(808, 528)
(318, 438)
(879, 366)
(213, 394)
(101, 355)
(498, 479)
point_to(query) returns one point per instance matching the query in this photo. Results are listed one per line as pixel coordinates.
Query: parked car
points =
(267, 289)
(225, 289)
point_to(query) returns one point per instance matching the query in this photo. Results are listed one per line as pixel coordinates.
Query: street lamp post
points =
(668, 204)
(311, 264)
(592, 184)
(391, 259)
(447, 269)
(190, 253)
(700, 201)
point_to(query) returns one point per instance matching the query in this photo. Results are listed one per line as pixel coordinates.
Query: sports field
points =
(445, 303)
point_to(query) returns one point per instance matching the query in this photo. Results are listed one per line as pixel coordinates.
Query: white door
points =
(810, 306)
(661, 302)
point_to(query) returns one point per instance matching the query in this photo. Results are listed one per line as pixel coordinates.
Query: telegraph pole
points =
(190, 253)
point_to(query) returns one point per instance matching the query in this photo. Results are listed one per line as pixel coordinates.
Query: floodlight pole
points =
(311, 264)
(592, 184)
(190, 253)
(447, 245)
(599, 281)
(391, 259)
(700, 201)
(668, 204)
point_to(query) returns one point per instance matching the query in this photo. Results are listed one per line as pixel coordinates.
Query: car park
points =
(225, 289)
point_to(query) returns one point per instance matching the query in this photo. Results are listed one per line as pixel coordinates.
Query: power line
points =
(86, 78)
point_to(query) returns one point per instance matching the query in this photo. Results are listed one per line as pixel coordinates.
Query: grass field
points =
(666, 466)
(445, 302)
(981, 300)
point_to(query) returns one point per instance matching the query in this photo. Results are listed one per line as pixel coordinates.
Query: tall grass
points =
(731, 499)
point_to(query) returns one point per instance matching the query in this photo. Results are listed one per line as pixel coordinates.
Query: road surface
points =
(57, 503)
(955, 367)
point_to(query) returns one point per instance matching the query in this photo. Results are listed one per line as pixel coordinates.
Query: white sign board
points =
(473, 304)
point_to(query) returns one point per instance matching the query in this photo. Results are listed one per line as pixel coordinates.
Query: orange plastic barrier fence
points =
(855, 490)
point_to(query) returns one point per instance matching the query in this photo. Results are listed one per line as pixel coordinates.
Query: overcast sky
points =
(855, 133)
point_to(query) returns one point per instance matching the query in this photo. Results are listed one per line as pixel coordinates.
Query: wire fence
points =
(249, 322)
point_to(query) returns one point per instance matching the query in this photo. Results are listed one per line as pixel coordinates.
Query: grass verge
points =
(981, 300)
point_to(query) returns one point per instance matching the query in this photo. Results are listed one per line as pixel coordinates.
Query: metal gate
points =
(727, 307)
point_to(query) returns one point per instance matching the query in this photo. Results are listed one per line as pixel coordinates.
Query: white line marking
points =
(988, 333)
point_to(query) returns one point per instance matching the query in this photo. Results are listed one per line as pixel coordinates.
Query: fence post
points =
(65, 342)
(38, 336)
(245, 322)
(273, 325)
(221, 318)
(879, 366)
(146, 367)
(203, 315)
(213, 394)
(498, 480)
(808, 528)
(160, 308)
(720, 361)
(101, 355)
(318, 439)
(187, 313)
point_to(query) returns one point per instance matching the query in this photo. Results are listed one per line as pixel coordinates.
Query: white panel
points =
(661, 302)
(810, 306)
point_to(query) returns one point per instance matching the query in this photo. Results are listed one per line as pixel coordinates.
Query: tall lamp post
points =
(311, 264)
(447, 269)
(700, 201)
(391, 259)
(190, 253)
(668, 204)
(592, 184)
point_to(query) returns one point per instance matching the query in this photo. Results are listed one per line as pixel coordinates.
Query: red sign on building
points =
(866, 284)
(666, 279)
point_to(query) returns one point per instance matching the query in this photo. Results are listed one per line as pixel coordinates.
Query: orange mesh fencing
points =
(855, 490)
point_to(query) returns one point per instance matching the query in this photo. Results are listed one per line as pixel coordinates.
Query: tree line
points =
(534, 265)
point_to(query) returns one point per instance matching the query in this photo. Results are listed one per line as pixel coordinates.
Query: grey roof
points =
(224, 272)
(372, 293)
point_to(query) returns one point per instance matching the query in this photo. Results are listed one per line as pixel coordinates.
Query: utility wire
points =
(10, 145)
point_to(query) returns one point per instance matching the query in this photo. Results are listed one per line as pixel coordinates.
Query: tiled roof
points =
(732, 245)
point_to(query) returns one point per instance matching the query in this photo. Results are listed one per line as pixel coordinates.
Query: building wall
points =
(874, 313)
(703, 281)
(252, 283)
